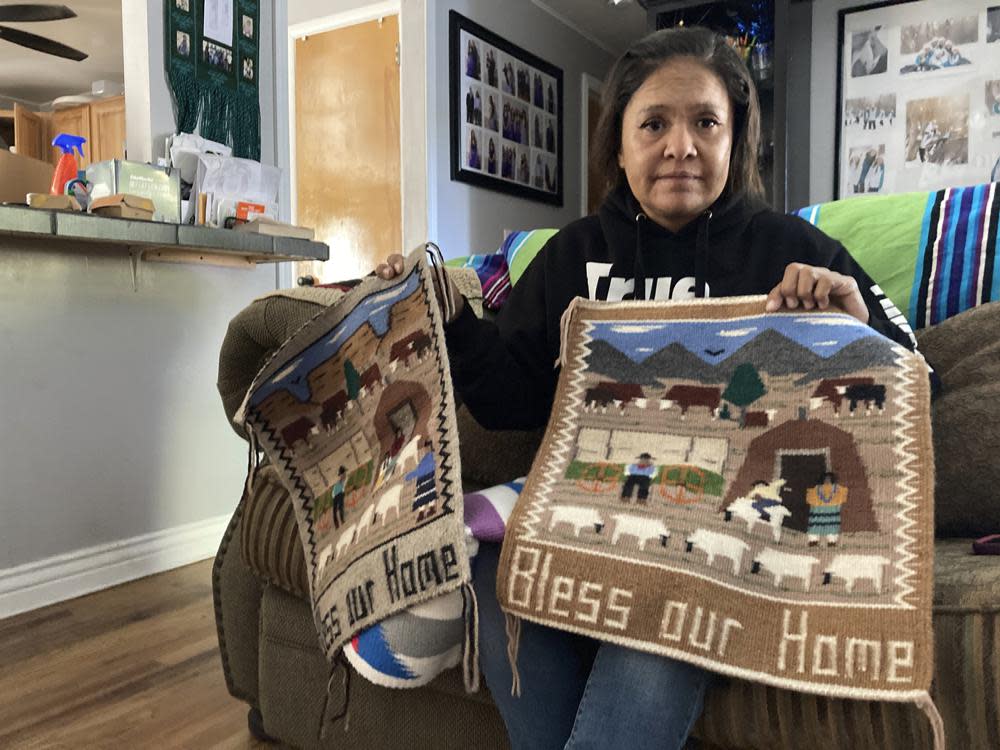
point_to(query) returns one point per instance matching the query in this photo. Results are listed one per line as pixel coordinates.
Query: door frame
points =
(373, 12)
(588, 84)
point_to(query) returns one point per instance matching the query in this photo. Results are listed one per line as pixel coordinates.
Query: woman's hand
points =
(393, 267)
(813, 286)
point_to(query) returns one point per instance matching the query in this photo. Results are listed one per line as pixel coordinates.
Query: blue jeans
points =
(578, 692)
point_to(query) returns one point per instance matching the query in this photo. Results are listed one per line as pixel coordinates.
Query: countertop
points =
(157, 241)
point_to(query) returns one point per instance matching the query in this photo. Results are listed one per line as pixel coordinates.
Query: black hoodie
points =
(505, 372)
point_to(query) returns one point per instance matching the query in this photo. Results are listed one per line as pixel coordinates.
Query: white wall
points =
(114, 430)
(300, 11)
(464, 219)
(113, 425)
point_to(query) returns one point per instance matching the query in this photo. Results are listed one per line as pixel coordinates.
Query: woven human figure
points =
(638, 476)
(825, 501)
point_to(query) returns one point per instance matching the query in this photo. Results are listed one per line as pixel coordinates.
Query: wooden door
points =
(801, 471)
(347, 146)
(30, 133)
(107, 128)
(75, 121)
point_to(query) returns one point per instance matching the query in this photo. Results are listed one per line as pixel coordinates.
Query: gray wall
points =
(113, 426)
(464, 219)
(798, 105)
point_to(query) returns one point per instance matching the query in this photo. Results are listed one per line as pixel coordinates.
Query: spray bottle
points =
(67, 168)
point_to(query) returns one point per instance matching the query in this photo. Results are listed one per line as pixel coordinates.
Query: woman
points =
(475, 161)
(677, 145)
(876, 176)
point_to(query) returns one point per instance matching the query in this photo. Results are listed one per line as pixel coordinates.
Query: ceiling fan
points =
(29, 13)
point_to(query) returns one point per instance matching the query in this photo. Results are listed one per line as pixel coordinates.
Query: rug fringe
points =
(564, 333)
(442, 286)
(345, 714)
(470, 650)
(926, 704)
(513, 645)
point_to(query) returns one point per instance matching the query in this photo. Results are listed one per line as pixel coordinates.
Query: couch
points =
(272, 659)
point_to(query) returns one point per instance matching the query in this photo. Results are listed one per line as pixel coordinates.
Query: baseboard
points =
(70, 575)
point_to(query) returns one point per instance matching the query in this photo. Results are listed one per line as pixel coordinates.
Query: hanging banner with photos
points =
(506, 115)
(918, 96)
(212, 55)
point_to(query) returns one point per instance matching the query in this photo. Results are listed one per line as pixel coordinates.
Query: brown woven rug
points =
(356, 413)
(748, 492)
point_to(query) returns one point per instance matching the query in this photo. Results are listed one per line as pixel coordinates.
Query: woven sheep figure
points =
(388, 501)
(345, 540)
(576, 516)
(742, 508)
(366, 519)
(324, 557)
(785, 565)
(715, 545)
(642, 528)
(854, 568)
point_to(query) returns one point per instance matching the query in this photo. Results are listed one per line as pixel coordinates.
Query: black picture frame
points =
(506, 115)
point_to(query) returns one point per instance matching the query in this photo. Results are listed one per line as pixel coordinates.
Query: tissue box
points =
(161, 186)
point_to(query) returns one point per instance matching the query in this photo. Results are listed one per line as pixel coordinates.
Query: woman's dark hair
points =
(642, 59)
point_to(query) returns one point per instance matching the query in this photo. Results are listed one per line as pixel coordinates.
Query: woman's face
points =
(677, 139)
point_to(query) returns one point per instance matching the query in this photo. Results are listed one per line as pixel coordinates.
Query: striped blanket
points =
(934, 254)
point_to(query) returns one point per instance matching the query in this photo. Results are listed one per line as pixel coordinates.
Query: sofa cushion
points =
(270, 538)
(492, 457)
(965, 352)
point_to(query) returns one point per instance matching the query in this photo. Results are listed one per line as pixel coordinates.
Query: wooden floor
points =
(135, 666)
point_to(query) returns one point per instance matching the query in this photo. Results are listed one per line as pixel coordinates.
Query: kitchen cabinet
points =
(30, 132)
(75, 120)
(107, 129)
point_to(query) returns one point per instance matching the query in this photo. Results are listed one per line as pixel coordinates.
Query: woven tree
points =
(353, 380)
(745, 387)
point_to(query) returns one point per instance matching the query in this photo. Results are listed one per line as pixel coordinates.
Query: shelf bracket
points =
(134, 256)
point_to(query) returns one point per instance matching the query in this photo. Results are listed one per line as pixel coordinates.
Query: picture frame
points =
(918, 96)
(506, 115)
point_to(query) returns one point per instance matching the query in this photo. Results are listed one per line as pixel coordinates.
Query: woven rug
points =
(748, 492)
(356, 412)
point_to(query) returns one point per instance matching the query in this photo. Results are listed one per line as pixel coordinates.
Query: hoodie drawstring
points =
(639, 270)
(701, 256)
